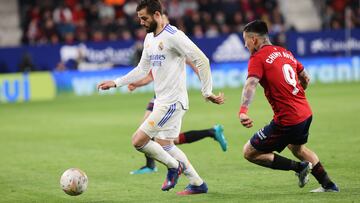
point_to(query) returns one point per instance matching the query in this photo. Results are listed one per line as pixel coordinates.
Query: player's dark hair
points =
(165, 12)
(151, 6)
(256, 26)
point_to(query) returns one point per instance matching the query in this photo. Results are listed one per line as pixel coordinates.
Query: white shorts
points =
(164, 122)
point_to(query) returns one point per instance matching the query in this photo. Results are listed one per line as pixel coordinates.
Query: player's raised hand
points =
(245, 120)
(219, 99)
(105, 85)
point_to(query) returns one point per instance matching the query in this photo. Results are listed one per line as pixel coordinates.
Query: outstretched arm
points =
(246, 99)
(304, 78)
(193, 67)
(140, 83)
(201, 65)
(139, 72)
(133, 76)
(217, 99)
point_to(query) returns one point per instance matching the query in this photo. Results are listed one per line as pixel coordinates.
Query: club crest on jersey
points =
(161, 46)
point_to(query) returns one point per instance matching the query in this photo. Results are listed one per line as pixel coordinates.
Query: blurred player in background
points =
(165, 50)
(284, 81)
(186, 137)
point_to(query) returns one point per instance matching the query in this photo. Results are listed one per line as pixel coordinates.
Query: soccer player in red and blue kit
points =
(284, 81)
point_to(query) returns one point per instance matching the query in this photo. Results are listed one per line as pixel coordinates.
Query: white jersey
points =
(165, 55)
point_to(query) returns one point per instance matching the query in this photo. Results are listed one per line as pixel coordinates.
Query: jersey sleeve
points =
(184, 46)
(255, 68)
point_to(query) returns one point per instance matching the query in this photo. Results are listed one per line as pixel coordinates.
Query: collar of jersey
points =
(161, 30)
(261, 48)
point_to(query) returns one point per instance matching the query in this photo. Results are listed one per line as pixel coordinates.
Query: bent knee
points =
(248, 152)
(297, 150)
(136, 141)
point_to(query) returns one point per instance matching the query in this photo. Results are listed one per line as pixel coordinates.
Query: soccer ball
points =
(73, 181)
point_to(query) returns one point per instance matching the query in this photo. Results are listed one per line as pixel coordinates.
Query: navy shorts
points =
(150, 105)
(274, 137)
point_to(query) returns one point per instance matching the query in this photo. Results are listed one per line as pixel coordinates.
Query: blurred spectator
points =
(140, 34)
(190, 7)
(69, 38)
(126, 35)
(54, 39)
(355, 16)
(49, 30)
(225, 29)
(333, 14)
(130, 7)
(26, 64)
(280, 40)
(106, 11)
(250, 16)
(78, 13)
(220, 18)
(81, 31)
(212, 31)
(175, 9)
(278, 21)
(112, 36)
(97, 36)
(229, 6)
(238, 22)
(62, 14)
(74, 21)
(34, 13)
(33, 33)
(198, 32)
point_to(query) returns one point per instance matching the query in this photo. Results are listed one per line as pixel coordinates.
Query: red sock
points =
(182, 138)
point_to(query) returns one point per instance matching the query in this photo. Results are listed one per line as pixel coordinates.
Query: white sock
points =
(155, 151)
(190, 172)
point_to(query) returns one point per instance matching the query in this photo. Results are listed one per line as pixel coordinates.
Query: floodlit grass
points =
(38, 141)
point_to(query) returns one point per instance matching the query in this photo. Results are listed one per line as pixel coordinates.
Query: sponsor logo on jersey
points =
(156, 59)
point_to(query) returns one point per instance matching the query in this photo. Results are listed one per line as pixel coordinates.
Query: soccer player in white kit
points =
(165, 50)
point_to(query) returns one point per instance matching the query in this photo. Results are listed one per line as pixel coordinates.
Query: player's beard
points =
(152, 27)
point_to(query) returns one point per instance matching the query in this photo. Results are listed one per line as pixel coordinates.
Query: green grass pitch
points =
(40, 140)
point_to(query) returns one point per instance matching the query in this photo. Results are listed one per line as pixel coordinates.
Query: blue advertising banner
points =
(100, 56)
(40, 57)
(48, 57)
(233, 75)
(325, 43)
(20, 87)
(223, 49)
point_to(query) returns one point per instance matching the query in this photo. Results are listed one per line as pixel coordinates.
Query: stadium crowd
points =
(338, 14)
(70, 21)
